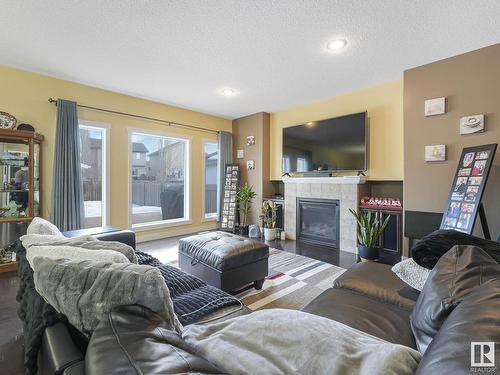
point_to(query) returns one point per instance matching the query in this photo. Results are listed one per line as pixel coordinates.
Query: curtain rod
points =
(169, 123)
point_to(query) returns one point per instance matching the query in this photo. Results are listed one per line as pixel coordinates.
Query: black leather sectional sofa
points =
(368, 297)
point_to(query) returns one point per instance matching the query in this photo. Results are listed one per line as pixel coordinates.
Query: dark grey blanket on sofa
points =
(192, 298)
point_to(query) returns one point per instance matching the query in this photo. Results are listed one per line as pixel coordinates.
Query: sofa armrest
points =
(106, 234)
(124, 236)
(76, 369)
(58, 352)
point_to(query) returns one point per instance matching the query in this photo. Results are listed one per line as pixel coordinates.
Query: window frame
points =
(106, 144)
(204, 216)
(187, 182)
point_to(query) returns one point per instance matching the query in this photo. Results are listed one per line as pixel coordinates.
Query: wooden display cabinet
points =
(20, 183)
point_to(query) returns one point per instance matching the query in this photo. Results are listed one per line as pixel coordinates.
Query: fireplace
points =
(318, 221)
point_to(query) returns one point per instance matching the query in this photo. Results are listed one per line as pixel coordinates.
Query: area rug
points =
(293, 282)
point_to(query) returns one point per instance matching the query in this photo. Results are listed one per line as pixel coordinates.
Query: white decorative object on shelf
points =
(253, 231)
(472, 124)
(435, 106)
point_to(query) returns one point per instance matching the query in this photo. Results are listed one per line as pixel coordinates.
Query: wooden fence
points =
(210, 198)
(92, 190)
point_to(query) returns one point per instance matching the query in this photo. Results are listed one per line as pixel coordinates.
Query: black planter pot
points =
(243, 230)
(368, 253)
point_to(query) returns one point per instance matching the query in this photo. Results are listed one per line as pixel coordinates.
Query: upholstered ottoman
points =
(224, 260)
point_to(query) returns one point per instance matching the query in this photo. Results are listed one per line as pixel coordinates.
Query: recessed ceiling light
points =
(336, 45)
(227, 91)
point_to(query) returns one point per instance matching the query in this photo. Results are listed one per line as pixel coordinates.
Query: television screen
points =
(336, 144)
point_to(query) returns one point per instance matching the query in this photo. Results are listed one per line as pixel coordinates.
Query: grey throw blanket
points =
(289, 342)
(85, 291)
(192, 298)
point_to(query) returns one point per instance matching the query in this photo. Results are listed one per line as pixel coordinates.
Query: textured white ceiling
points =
(272, 51)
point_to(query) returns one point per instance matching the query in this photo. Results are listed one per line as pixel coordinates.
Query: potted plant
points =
(268, 216)
(244, 199)
(370, 227)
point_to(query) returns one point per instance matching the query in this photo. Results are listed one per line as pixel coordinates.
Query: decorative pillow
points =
(85, 291)
(42, 226)
(455, 275)
(411, 273)
(74, 253)
(476, 318)
(428, 251)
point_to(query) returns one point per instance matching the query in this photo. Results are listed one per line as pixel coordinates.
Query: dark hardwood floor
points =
(11, 331)
(325, 254)
(11, 348)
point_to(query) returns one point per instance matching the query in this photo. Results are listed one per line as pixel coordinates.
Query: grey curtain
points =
(67, 197)
(225, 149)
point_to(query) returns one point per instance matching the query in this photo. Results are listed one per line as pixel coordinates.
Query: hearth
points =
(318, 221)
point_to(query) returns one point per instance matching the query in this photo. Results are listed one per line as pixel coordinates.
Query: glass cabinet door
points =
(14, 180)
(36, 179)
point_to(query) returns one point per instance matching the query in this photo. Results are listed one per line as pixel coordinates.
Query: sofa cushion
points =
(84, 291)
(134, 340)
(433, 246)
(223, 251)
(475, 319)
(377, 318)
(377, 281)
(457, 273)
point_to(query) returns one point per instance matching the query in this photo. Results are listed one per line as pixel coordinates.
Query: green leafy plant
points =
(244, 199)
(268, 216)
(370, 227)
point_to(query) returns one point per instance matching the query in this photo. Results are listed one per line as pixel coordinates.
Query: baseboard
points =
(173, 232)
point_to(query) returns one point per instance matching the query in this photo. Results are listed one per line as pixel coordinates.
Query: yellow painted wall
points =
(25, 95)
(384, 104)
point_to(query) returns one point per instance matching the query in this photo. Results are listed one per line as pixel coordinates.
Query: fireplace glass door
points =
(318, 221)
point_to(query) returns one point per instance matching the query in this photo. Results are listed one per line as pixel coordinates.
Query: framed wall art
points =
(229, 204)
(464, 200)
(436, 106)
(472, 124)
(435, 153)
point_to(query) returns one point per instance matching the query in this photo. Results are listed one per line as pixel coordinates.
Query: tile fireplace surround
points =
(346, 189)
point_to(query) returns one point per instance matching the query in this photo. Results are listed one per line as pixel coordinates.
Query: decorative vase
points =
(367, 253)
(254, 231)
(269, 234)
(243, 230)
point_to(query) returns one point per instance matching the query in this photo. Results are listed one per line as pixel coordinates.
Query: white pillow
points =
(411, 273)
(74, 253)
(42, 226)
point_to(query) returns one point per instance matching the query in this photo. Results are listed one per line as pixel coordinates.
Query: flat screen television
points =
(335, 144)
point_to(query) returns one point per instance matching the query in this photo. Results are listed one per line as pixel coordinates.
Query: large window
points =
(210, 185)
(93, 161)
(159, 170)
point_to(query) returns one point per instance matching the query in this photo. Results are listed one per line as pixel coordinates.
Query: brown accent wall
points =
(471, 84)
(258, 126)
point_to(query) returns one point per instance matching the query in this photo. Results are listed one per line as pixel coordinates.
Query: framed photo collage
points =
(229, 205)
(468, 186)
